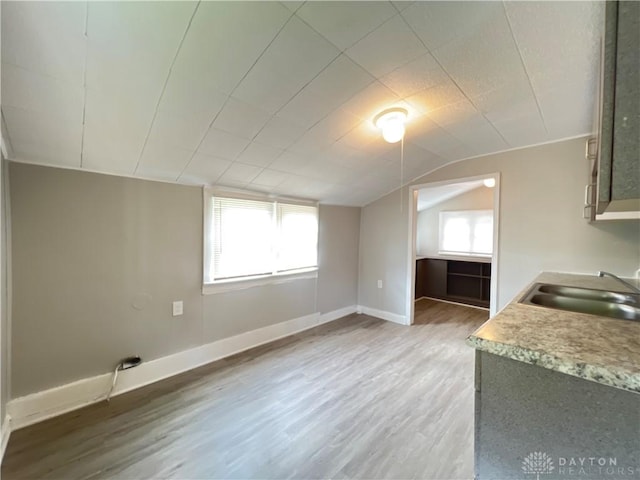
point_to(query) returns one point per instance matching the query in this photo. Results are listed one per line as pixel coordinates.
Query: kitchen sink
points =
(625, 306)
(589, 294)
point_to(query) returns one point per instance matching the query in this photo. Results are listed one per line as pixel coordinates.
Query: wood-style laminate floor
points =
(356, 398)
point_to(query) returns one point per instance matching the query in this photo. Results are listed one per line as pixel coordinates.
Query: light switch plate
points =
(177, 308)
(379, 283)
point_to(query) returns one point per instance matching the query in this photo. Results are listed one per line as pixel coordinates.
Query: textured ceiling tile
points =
(222, 144)
(240, 173)
(138, 86)
(516, 117)
(307, 108)
(453, 113)
(44, 153)
(419, 74)
(43, 137)
(45, 37)
(41, 93)
(558, 40)
(436, 97)
(344, 23)
(186, 95)
(178, 131)
(240, 118)
(559, 43)
(117, 116)
(248, 26)
(270, 178)
(280, 132)
(204, 169)
(438, 23)
(371, 101)
(292, 6)
(443, 144)
(130, 48)
(483, 61)
(289, 162)
(477, 133)
(311, 144)
(335, 125)
(505, 103)
(293, 59)
(326, 171)
(386, 48)
(402, 4)
(340, 80)
(160, 160)
(362, 135)
(259, 154)
(116, 126)
(562, 121)
(526, 130)
(104, 152)
(133, 34)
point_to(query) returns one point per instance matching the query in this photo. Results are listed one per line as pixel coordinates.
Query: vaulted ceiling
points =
(280, 97)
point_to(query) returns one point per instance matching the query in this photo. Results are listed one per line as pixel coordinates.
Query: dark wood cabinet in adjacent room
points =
(459, 281)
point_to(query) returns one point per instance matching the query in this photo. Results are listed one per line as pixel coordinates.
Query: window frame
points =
(469, 254)
(240, 283)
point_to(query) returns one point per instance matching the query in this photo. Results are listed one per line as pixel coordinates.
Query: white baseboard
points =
(455, 303)
(336, 314)
(4, 435)
(50, 403)
(391, 317)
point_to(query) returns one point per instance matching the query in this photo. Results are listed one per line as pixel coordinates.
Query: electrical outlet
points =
(177, 308)
(379, 283)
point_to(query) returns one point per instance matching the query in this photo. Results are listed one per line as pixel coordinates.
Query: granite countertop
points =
(599, 349)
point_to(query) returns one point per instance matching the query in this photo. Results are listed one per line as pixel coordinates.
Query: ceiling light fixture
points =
(489, 182)
(391, 122)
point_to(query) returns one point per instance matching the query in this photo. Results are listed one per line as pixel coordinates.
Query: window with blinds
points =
(468, 232)
(249, 238)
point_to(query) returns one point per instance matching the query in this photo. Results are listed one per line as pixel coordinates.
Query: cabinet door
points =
(607, 100)
(420, 269)
(625, 174)
(435, 284)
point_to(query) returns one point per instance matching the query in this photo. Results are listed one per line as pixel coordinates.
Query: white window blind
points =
(468, 232)
(298, 237)
(248, 238)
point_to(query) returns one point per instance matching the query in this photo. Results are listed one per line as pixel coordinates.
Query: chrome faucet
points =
(624, 282)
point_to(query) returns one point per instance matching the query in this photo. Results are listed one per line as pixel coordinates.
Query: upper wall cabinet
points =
(616, 155)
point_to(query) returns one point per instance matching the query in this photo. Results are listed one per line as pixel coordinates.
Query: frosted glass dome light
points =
(489, 182)
(391, 122)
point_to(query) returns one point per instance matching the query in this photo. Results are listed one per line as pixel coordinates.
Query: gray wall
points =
(428, 220)
(87, 247)
(541, 225)
(338, 260)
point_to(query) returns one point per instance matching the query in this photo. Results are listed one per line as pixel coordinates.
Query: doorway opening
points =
(453, 242)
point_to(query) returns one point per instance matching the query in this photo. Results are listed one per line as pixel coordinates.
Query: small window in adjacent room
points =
(248, 238)
(468, 232)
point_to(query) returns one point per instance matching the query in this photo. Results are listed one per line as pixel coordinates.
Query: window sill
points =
(222, 286)
(465, 257)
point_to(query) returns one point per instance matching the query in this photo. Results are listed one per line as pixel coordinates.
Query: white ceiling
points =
(279, 97)
(431, 196)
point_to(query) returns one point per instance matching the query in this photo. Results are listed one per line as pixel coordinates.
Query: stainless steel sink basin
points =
(625, 306)
(589, 294)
